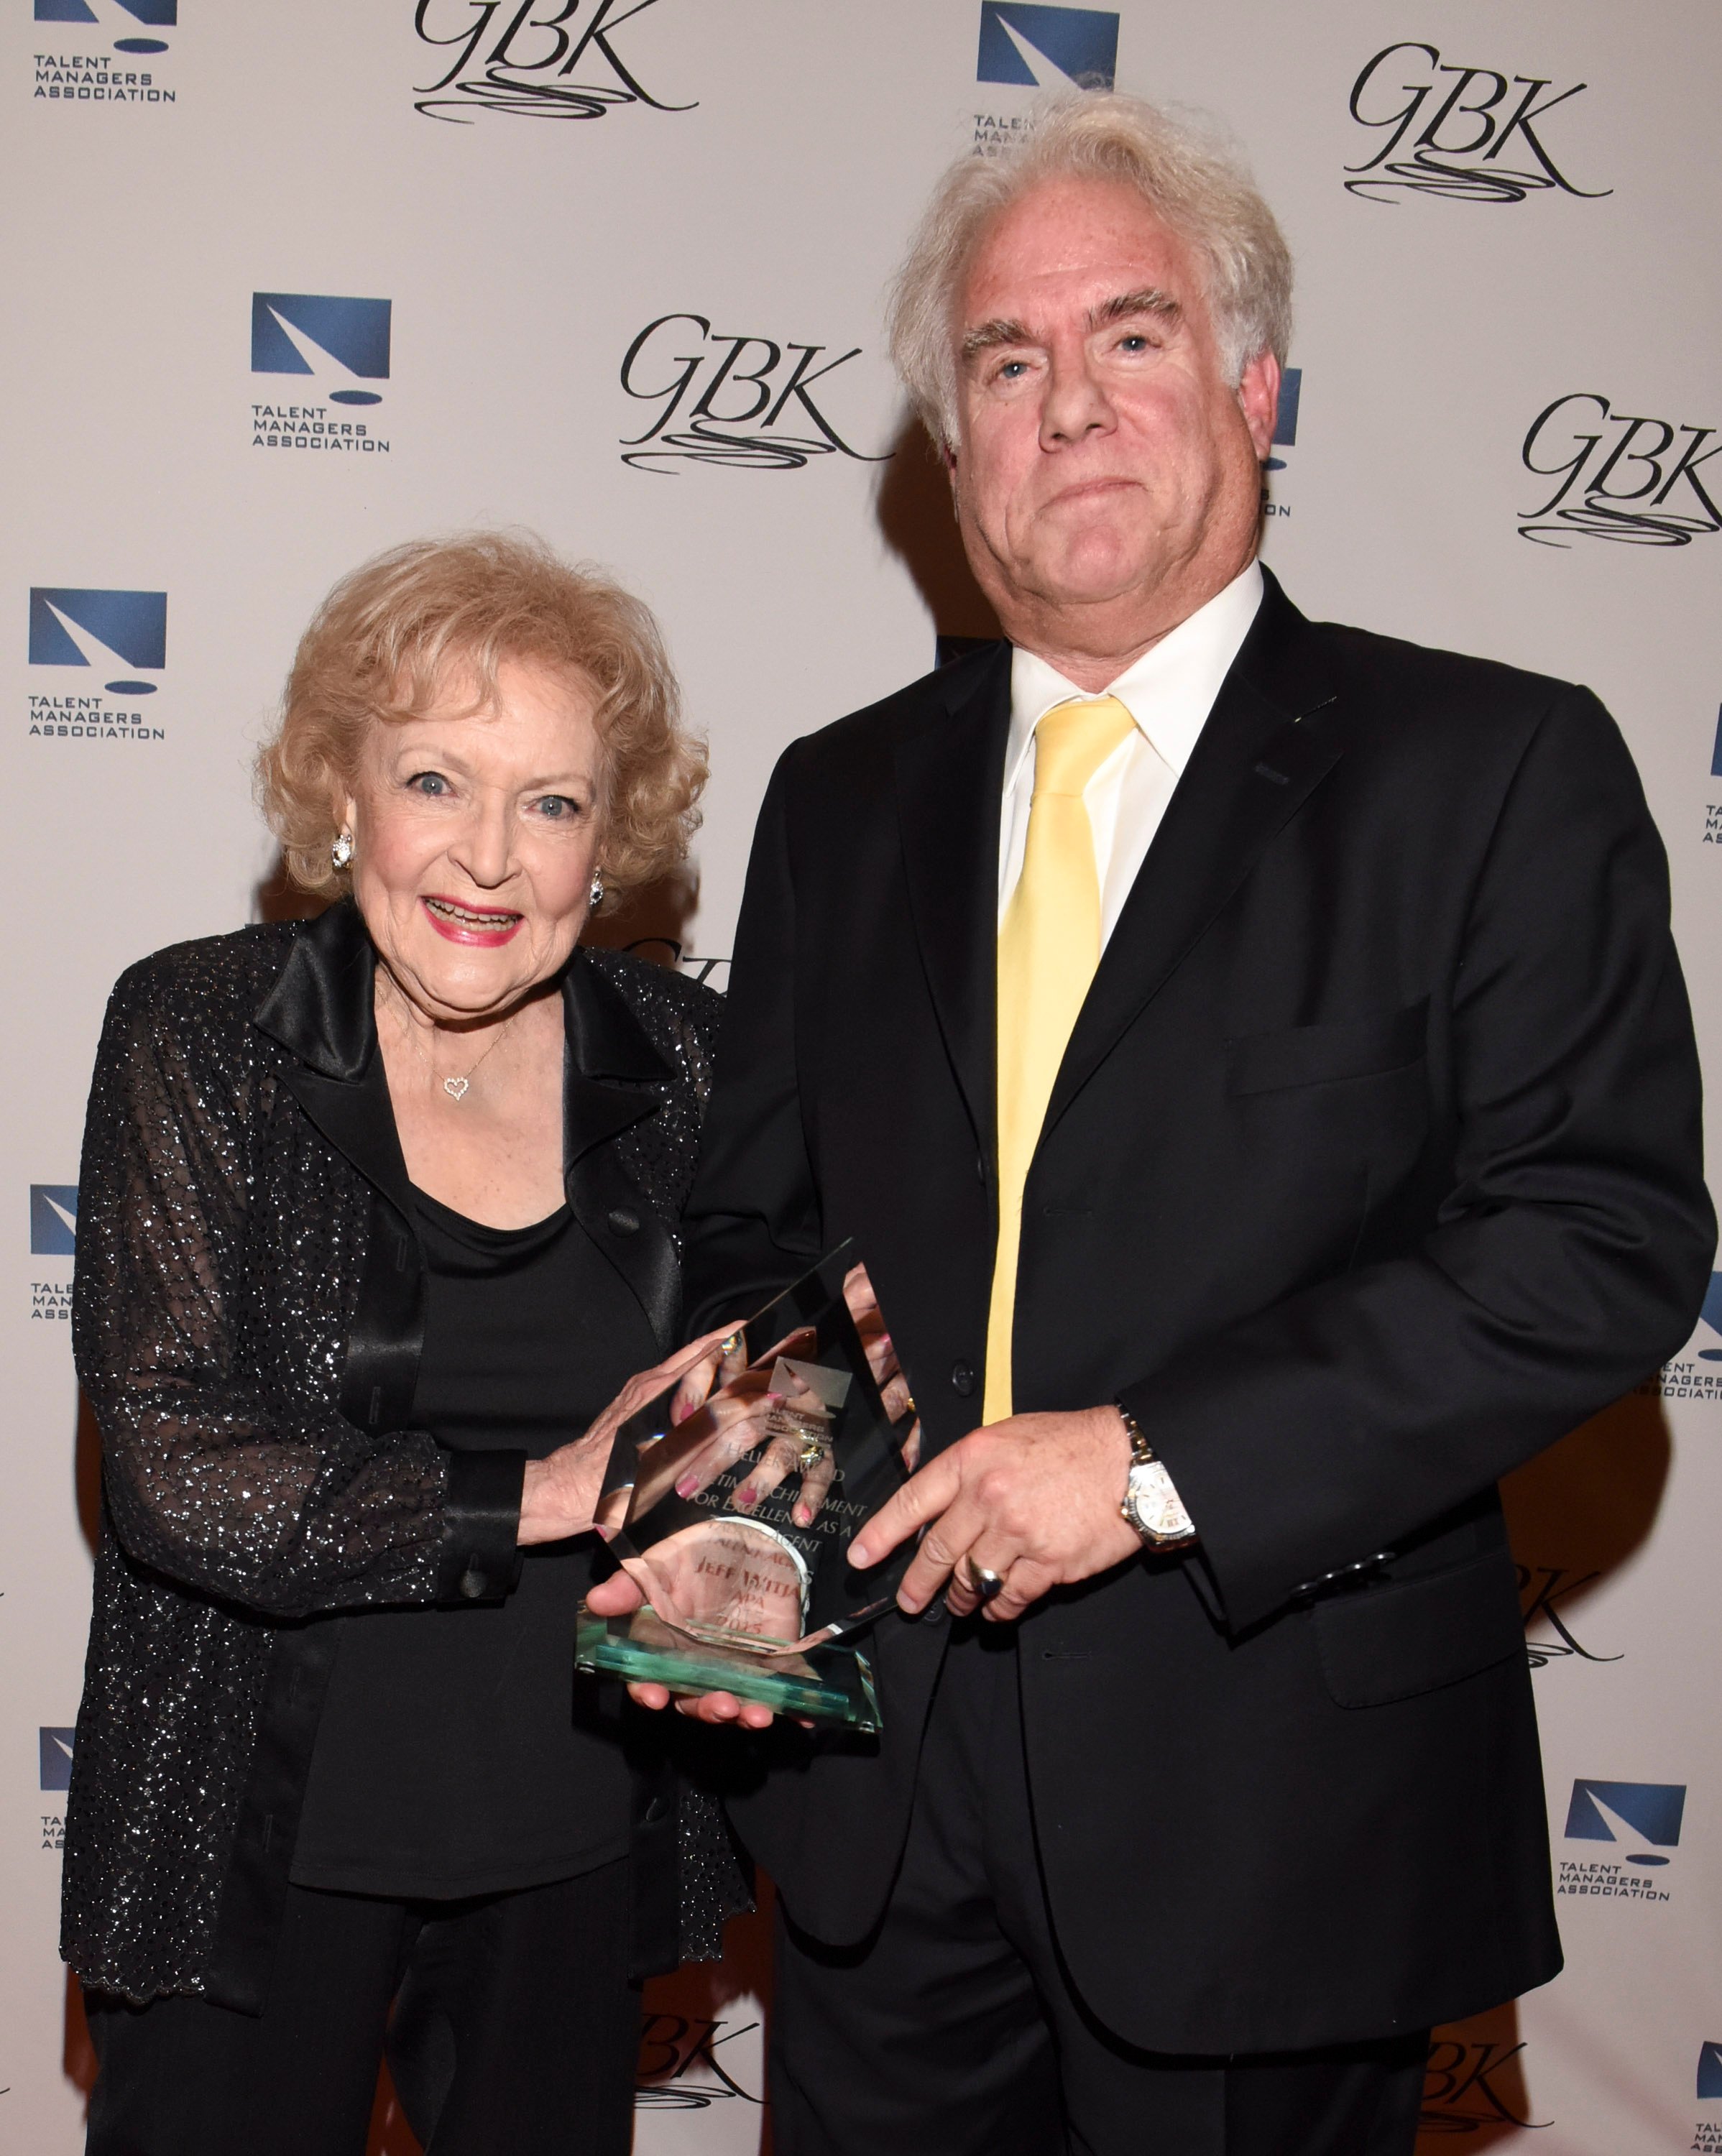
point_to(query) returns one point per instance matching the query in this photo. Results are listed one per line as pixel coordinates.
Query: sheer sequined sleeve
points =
(218, 1473)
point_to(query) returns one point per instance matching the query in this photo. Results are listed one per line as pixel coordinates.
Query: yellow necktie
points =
(1049, 946)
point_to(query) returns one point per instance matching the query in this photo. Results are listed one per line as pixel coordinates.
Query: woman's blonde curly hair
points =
(388, 638)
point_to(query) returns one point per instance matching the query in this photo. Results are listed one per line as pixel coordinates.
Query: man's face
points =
(1108, 480)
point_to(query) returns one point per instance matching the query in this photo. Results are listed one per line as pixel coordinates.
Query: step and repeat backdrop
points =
(288, 284)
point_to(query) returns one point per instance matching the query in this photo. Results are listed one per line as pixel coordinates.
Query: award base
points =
(829, 1683)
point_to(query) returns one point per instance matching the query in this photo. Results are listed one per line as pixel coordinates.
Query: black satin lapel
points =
(949, 774)
(1253, 766)
(358, 1118)
(385, 1339)
(321, 1007)
(603, 1036)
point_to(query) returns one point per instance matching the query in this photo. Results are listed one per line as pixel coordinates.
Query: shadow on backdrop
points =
(912, 503)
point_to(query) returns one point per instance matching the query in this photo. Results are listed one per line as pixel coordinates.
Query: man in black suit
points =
(1250, 1057)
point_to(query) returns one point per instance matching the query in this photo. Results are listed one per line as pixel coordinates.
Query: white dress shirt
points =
(1168, 692)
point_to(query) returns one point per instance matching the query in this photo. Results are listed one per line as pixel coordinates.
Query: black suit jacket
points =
(1373, 1166)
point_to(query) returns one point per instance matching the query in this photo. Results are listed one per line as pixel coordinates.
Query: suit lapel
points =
(950, 773)
(1252, 768)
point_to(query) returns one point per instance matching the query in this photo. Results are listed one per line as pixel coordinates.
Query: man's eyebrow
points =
(988, 335)
(1149, 300)
(1002, 330)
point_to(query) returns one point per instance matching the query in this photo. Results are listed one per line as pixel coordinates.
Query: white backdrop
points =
(1500, 213)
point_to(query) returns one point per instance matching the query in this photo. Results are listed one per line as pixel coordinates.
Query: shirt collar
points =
(1169, 690)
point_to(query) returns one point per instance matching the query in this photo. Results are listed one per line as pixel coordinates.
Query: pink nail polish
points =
(803, 1516)
(745, 1500)
(688, 1487)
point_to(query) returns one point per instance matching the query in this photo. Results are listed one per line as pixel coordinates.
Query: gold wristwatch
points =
(1151, 1503)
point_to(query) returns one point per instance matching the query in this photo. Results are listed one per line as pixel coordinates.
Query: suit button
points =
(980, 1168)
(472, 1583)
(962, 1379)
(622, 1221)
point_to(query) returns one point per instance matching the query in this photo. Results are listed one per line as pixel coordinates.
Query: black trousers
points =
(513, 2026)
(953, 2030)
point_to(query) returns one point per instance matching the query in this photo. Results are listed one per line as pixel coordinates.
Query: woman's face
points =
(475, 838)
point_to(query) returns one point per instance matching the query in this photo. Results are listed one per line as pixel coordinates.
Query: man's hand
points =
(1034, 1499)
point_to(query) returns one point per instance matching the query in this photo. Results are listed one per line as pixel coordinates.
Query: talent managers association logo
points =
(54, 1233)
(162, 14)
(54, 1219)
(338, 345)
(1040, 48)
(56, 1748)
(1046, 47)
(119, 634)
(69, 626)
(99, 78)
(1642, 1819)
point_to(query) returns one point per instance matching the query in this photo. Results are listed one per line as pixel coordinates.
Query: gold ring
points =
(980, 1581)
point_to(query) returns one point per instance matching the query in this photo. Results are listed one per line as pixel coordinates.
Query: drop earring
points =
(340, 853)
(595, 896)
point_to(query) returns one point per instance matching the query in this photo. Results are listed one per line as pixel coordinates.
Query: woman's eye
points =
(559, 807)
(428, 782)
(1013, 370)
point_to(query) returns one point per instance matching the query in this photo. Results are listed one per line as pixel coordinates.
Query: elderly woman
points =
(378, 1214)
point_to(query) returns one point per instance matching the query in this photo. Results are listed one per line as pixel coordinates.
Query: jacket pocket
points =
(1380, 1644)
(1318, 1054)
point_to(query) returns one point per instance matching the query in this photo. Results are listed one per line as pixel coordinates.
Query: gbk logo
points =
(1475, 138)
(745, 401)
(1709, 2071)
(56, 1758)
(160, 15)
(1047, 47)
(1285, 418)
(1648, 1812)
(1468, 2087)
(54, 1219)
(1542, 1589)
(679, 2068)
(1621, 476)
(529, 67)
(309, 333)
(112, 631)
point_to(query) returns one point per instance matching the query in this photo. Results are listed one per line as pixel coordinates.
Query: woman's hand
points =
(560, 1494)
(621, 1596)
(881, 1358)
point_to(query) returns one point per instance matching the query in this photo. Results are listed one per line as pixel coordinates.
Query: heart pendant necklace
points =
(458, 1087)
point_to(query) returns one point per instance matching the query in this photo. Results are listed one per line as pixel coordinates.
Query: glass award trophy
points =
(747, 1587)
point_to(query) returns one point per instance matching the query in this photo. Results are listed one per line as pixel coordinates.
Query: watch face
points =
(1152, 1504)
(1146, 1498)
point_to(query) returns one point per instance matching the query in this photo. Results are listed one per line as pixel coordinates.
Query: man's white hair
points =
(1194, 183)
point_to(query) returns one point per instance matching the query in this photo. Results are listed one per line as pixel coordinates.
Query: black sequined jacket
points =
(247, 1323)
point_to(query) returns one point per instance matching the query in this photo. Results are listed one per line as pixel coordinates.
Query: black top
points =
(248, 1323)
(456, 1753)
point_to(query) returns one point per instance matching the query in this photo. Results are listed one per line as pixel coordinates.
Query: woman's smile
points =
(487, 926)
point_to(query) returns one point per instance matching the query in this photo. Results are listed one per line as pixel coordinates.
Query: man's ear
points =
(1258, 399)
